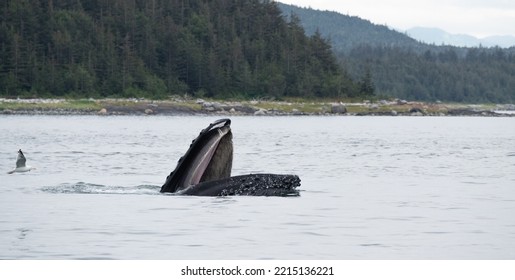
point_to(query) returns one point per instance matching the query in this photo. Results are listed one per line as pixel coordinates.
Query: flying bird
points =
(20, 164)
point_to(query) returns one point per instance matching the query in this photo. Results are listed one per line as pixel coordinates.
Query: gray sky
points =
(479, 18)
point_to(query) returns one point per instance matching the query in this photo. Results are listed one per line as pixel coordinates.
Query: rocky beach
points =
(192, 106)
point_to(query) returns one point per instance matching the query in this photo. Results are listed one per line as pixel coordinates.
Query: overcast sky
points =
(479, 18)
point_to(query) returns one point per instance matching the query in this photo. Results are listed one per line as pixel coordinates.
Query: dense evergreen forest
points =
(401, 67)
(155, 48)
(480, 76)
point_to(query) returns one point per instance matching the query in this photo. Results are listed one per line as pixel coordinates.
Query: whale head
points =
(209, 158)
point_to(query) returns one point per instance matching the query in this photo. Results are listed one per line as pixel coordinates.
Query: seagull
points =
(20, 164)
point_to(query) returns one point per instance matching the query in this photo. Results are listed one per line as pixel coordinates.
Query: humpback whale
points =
(205, 170)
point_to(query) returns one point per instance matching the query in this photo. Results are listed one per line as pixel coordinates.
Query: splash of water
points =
(89, 188)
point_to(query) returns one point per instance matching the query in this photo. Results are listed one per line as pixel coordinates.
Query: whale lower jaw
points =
(248, 185)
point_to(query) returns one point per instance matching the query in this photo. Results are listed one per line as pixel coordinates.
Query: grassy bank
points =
(49, 104)
(189, 106)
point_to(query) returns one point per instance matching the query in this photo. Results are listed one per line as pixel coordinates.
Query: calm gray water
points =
(372, 188)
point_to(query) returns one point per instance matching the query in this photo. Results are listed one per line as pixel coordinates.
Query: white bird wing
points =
(20, 160)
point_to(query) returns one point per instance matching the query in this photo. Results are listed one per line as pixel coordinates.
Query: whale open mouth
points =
(205, 170)
(209, 158)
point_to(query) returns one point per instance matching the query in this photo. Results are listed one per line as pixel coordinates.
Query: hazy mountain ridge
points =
(438, 36)
(402, 67)
(347, 32)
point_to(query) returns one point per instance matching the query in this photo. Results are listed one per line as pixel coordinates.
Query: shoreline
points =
(178, 106)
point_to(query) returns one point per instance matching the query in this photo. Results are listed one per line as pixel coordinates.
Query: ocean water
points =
(372, 188)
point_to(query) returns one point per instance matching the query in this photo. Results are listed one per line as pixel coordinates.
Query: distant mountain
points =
(347, 32)
(501, 41)
(399, 66)
(440, 37)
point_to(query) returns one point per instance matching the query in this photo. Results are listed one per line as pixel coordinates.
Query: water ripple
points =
(373, 245)
(373, 188)
(88, 188)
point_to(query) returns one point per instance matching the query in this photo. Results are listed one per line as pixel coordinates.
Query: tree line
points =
(470, 75)
(156, 48)
(399, 66)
